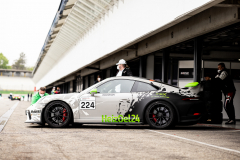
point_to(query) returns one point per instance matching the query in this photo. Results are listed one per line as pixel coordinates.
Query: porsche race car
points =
(120, 100)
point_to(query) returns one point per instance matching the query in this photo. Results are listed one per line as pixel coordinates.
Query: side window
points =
(142, 87)
(116, 86)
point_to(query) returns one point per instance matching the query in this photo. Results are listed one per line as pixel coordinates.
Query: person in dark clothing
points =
(227, 86)
(123, 69)
(28, 96)
(58, 91)
(98, 79)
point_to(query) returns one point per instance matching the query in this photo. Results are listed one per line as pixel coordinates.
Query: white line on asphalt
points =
(4, 118)
(227, 149)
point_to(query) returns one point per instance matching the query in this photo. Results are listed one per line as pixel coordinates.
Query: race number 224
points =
(87, 105)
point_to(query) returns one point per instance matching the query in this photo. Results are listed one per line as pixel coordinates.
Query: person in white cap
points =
(123, 70)
(53, 91)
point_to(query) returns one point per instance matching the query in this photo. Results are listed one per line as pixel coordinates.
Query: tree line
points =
(18, 63)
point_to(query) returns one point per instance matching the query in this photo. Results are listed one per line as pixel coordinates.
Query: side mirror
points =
(93, 91)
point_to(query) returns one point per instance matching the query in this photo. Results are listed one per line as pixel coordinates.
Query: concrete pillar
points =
(171, 72)
(92, 80)
(89, 81)
(140, 67)
(70, 86)
(197, 59)
(165, 61)
(81, 84)
(12, 74)
(24, 74)
(84, 82)
(150, 67)
(108, 73)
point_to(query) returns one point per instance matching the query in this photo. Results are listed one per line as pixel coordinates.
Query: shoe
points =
(231, 122)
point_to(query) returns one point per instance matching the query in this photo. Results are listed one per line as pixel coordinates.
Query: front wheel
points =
(160, 115)
(58, 114)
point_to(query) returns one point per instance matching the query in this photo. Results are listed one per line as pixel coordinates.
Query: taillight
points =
(191, 99)
(196, 114)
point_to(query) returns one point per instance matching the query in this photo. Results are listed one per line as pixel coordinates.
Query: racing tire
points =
(58, 114)
(160, 115)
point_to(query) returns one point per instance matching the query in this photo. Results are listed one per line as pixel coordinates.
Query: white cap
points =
(121, 61)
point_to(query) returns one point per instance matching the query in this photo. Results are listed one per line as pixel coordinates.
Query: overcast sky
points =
(24, 25)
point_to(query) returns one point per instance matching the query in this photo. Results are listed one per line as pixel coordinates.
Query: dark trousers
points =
(228, 105)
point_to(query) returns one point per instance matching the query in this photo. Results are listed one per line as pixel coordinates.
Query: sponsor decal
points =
(88, 103)
(121, 118)
(36, 111)
(160, 95)
(184, 73)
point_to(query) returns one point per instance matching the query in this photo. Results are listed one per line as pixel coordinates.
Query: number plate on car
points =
(87, 103)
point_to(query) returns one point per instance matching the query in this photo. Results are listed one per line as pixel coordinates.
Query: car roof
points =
(131, 78)
(139, 79)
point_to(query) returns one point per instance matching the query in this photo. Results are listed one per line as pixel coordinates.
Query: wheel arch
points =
(163, 100)
(43, 110)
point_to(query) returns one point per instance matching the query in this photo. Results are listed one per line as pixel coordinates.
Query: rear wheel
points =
(160, 115)
(58, 114)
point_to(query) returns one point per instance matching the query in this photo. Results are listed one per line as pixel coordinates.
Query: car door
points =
(142, 94)
(111, 100)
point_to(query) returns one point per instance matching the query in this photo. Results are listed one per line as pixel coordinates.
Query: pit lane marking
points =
(210, 145)
(4, 118)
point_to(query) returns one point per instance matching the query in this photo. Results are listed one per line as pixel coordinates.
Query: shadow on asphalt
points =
(136, 127)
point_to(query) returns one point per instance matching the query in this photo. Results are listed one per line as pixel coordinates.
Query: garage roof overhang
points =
(80, 16)
(72, 21)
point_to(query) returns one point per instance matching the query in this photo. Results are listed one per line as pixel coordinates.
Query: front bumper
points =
(34, 114)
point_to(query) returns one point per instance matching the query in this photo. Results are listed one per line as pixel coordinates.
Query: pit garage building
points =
(175, 41)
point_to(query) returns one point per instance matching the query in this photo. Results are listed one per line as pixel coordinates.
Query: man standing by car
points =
(41, 93)
(123, 69)
(225, 81)
(98, 79)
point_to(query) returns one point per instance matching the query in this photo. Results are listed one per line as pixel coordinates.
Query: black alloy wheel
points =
(160, 115)
(58, 114)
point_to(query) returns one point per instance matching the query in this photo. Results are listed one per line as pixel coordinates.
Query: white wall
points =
(185, 64)
(16, 83)
(129, 20)
(150, 67)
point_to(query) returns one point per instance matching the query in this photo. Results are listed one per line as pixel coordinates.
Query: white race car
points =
(120, 100)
